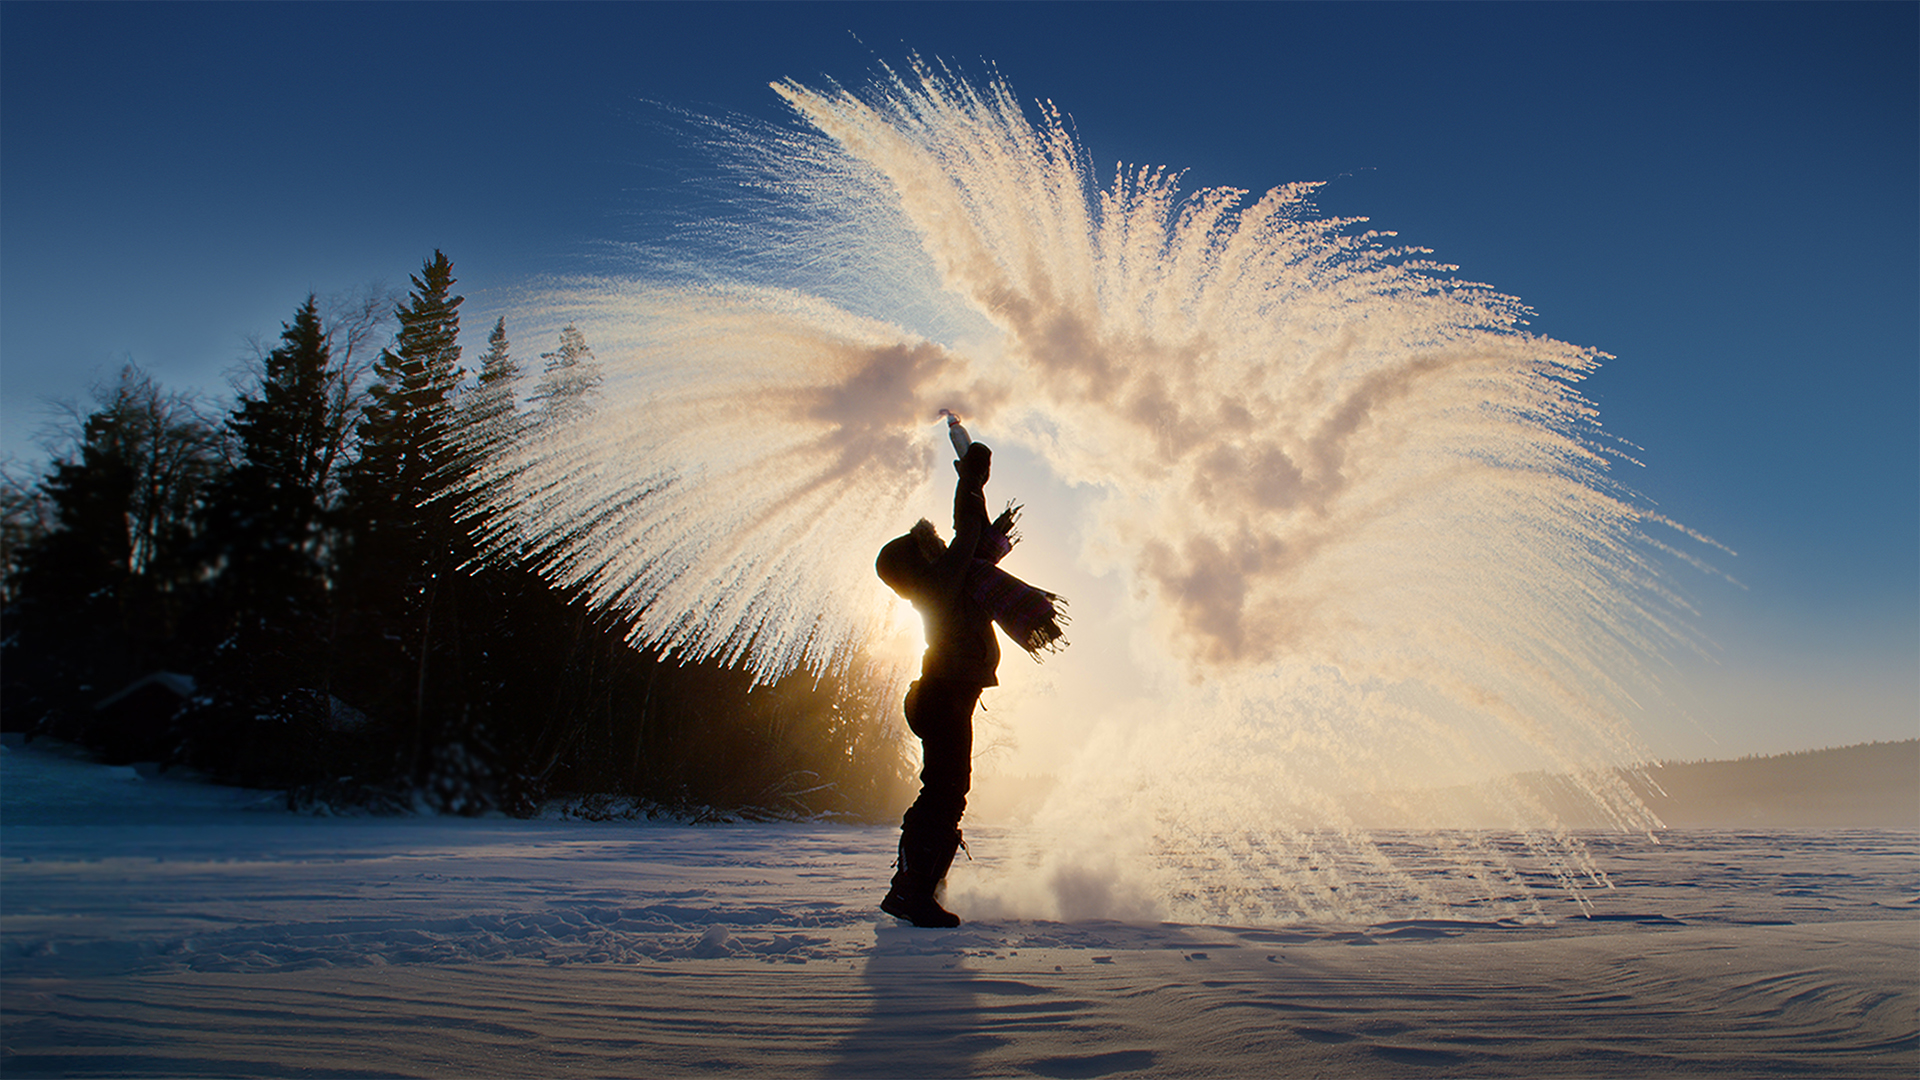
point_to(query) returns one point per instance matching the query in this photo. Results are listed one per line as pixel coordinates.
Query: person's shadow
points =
(924, 1017)
(929, 1015)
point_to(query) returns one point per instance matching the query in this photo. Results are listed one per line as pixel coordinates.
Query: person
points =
(960, 594)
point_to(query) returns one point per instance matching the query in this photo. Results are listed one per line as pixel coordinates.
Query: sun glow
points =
(901, 639)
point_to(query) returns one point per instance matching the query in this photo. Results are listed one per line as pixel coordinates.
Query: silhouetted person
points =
(960, 593)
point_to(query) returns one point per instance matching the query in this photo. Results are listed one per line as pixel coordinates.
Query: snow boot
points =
(918, 908)
(923, 867)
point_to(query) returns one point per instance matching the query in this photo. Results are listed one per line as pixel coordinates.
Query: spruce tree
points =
(405, 456)
(265, 531)
(568, 381)
(488, 417)
(265, 626)
(493, 397)
(403, 535)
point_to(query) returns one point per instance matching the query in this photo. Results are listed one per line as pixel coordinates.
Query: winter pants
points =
(940, 712)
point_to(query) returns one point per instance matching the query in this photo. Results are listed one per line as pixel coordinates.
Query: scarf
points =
(1031, 617)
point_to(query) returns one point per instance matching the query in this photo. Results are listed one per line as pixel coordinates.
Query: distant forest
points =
(283, 591)
(1871, 785)
(1866, 786)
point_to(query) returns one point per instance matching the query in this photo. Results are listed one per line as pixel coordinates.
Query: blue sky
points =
(1723, 196)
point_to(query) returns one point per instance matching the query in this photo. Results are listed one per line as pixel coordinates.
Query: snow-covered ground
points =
(156, 927)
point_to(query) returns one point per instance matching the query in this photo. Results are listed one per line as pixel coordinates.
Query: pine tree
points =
(402, 529)
(569, 381)
(405, 455)
(498, 379)
(264, 628)
(266, 521)
(492, 600)
(489, 416)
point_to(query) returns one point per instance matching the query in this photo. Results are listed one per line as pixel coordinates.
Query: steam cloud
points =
(1368, 513)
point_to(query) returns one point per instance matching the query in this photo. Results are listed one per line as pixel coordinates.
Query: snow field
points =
(155, 928)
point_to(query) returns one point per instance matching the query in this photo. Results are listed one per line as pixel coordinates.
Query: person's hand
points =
(976, 466)
(1010, 517)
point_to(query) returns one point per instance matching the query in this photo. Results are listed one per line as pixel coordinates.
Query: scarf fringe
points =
(1031, 617)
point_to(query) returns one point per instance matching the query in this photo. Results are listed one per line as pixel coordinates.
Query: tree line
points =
(289, 596)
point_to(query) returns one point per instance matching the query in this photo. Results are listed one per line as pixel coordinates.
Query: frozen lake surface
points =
(151, 927)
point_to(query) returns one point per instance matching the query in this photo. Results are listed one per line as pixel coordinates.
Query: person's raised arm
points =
(969, 519)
